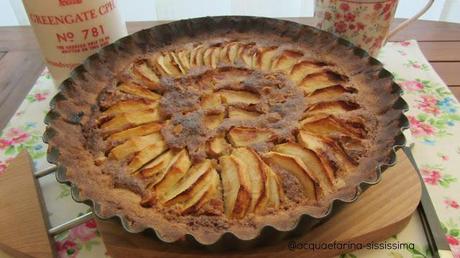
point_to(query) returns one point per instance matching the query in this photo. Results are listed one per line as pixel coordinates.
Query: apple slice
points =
(184, 60)
(237, 96)
(176, 170)
(331, 107)
(196, 56)
(296, 167)
(187, 182)
(218, 146)
(286, 61)
(145, 155)
(233, 50)
(127, 106)
(311, 162)
(330, 93)
(241, 114)
(128, 120)
(139, 91)
(247, 54)
(134, 145)
(211, 101)
(175, 60)
(302, 69)
(236, 186)
(317, 81)
(212, 121)
(257, 176)
(242, 136)
(135, 131)
(211, 203)
(273, 189)
(167, 65)
(144, 73)
(155, 170)
(330, 125)
(264, 56)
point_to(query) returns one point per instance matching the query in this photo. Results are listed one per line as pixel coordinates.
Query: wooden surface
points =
(24, 229)
(382, 211)
(21, 64)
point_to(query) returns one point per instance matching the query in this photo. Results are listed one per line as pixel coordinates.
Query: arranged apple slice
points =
(296, 167)
(146, 75)
(134, 145)
(211, 101)
(212, 121)
(330, 125)
(264, 56)
(184, 60)
(317, 81)
(304, 68)
(135, 131)
(218, 146)
(331, 107)
(167, 66)
(155, 170)
(236, 186)
(128, 120)
(196, 56)
(211, 203)
(127, 106)
(241, 114)
(233, 50)
(286, 60)
(273, 192)
(192, 177)
(138, 91)
(332, 92)
(175, 171)
(243, 136)
(257, 175)
(311, 162)
(145, 155)
(247, 54)
(236, 96)
(178, 62)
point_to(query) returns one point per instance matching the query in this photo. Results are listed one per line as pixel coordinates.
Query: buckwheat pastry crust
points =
(225, 124)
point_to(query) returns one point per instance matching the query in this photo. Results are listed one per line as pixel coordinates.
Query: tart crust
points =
(224, 124)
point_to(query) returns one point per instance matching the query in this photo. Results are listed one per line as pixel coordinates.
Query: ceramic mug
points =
(366, 23)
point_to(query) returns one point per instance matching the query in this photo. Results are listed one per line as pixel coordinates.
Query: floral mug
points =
(366, 23)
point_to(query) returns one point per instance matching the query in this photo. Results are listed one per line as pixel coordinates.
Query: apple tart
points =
(225, 124)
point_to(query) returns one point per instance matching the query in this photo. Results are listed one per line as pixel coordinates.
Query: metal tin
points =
(162, 33)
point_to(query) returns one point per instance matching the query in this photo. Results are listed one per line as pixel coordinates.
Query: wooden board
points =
(24, 229)
(382, 211)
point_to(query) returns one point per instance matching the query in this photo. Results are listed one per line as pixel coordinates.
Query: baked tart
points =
(223, 125)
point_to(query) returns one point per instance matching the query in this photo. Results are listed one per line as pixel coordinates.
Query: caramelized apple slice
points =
(218, 146)
(207, 56)
(127, 106)
(176, 170)
(273, 191)
(127, 120)
(178, 63)
(212, 121)
(331, 107)
(296, 167)
(211, 101)
(332, 92)
(211, 203)
(188, 181)
(241, 114)
(184, 60)
(156, 169)
(330, 125)
(254, 167)
(136, 131)
(264, 57)
(145, 155)
(302, 69)
(146, 75)
(286, 61)
(139, 91)
(247, 54)
(134, 145)
(167, 65)
(234, 96)
(242, 136)
(196, 56)
(310, 160)
(317, 81)
(233, 50)
(236, 187)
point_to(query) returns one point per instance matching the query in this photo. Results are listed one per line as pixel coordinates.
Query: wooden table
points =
(21, 63)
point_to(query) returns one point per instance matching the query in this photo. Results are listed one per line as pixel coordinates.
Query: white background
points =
(12, 12)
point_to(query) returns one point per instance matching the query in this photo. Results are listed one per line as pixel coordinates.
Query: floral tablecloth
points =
(434, 118)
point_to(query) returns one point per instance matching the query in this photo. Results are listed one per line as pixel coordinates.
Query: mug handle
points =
(413, 18)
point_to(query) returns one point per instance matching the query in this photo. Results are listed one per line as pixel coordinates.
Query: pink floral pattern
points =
(364, 23)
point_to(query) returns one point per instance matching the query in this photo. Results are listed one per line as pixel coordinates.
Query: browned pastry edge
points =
(72, 108)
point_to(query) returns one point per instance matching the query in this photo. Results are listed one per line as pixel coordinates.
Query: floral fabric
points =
(435, 126)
